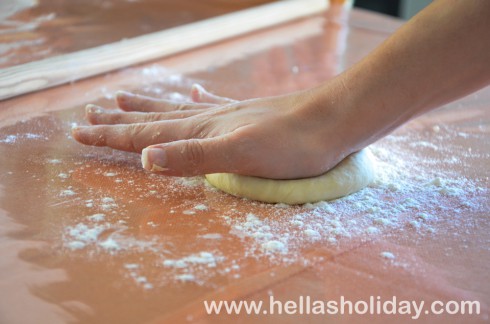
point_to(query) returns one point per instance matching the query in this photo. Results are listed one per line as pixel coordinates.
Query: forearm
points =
(440, 55)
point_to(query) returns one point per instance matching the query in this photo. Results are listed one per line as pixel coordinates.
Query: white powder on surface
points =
(421, 184)
(67, 193)
(9, 139)
(194, 267)
(110, 244)
(201, 207)
(96, 217)
(274, 246)
(107, 203)
(92, 236)
(387, 255)
(54, 161)
(84, 233)
(131, 266)
(185, 277)
(12, 139)
(76, 245)
(202, 258)
(190, 181)
(211, 236)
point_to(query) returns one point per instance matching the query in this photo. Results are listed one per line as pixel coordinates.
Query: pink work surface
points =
(87, 236)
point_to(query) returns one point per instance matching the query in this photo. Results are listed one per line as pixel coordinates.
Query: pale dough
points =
(352, 174)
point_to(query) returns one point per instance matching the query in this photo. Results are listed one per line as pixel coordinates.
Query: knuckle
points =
(115, 118)
(135, 134)
(198, 127)
(153, 117)
(193, 153)
(181, 106)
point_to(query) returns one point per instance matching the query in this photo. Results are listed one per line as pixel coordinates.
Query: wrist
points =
(366, 106)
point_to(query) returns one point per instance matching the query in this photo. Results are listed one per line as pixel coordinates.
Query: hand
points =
(285, 137)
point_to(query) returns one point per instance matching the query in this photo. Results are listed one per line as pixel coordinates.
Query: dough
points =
(352, 174)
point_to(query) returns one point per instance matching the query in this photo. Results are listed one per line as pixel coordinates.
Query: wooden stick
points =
(65, 68)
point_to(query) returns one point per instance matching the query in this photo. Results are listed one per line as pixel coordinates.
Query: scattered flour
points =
(54, 161)
(201, 207)
(203, 258)
(110, 244)
(387, 255)
(131, 266)
(96, 217)
(11, 139)
(190, 181)
(185, 277)
(67, 193)
(108, 203)
(82, 235)
(274, 246)
(211, 236)
(411, 193)
(193, 267)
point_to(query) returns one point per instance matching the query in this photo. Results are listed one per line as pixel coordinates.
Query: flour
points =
(274, 246)
(203, 258)
(387, 255)
(12, 139)
(85, 236)
(110, 244)
(96, 217)
(67, 193)
(131, 266)
(63, 175)
(54, 161)
(9, 139)
(412, 194)
(185, 277)
(211, 236)
(193, 267)
(201, 207)
(190, 181)
(107, 203)
(81, 235)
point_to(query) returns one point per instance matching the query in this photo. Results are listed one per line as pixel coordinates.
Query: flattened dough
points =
(352, 174)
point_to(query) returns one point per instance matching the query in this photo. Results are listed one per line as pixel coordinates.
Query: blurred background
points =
(404, 9)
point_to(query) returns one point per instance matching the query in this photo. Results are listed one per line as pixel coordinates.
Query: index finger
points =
(135, 137)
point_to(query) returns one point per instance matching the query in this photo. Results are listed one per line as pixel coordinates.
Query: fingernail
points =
(77, 128)
(153, 159)
(93, 109)
(120, 94)
(197, 90)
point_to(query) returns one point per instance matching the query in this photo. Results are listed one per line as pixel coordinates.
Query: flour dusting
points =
(185, 227)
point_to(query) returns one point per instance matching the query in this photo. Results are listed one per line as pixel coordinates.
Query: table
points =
(88, 236)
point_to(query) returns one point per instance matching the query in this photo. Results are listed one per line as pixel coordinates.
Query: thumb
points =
(190, 157)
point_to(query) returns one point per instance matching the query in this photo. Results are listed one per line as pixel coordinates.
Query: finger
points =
(199, 94)
(191, 157)
(97, 116)
(133, 102)
(135, 137)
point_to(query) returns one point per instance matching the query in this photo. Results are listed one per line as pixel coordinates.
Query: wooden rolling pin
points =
(65, 68)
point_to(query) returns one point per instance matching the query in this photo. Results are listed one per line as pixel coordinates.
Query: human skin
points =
(440, 55)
